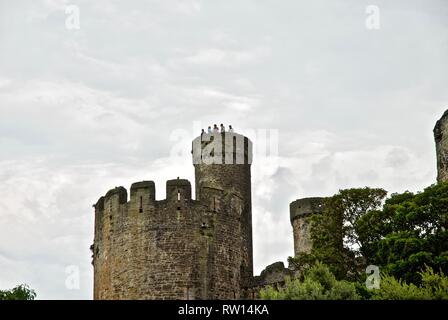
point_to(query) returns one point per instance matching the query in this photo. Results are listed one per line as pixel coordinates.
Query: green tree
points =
(407, 234)
(21, 292)
(334, 233)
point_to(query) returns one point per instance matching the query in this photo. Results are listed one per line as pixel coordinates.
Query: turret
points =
(300, 212)
(222, 164)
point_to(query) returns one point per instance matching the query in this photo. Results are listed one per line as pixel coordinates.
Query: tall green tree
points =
(334, 233)
(409, 233)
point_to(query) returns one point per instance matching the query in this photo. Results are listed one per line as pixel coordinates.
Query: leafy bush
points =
(317, 283)
(434, 286)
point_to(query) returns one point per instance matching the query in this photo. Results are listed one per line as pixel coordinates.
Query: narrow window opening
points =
(178, 195)
(141, 205)
(214, 203)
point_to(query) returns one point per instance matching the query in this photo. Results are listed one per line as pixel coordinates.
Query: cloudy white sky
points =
(82, 111)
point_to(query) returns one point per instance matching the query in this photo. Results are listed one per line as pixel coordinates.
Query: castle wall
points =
(441, 140)
(147, 249)
(274, 275)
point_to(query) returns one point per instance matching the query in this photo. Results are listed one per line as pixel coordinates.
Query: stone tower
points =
(300, 212)
(441, 138)
(223, 183)
(180, 248)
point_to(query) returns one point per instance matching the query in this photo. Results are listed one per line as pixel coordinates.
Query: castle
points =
(180, 248)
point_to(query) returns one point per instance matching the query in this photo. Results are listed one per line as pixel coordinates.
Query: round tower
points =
(441, 139)
(222, 164)
(300, 212)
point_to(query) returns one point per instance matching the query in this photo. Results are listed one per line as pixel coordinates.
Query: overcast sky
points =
(119, 99)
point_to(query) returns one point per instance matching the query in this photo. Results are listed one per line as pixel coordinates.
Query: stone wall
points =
(274, 275)
(441, 139)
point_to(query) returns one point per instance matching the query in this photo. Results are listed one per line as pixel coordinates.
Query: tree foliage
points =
(335, 240)
(434, 286)
(411, 231)
(406, 237)
(317, 283)
(20, 292)
(407, 233)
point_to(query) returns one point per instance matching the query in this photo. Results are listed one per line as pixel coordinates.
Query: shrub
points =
(317, 283)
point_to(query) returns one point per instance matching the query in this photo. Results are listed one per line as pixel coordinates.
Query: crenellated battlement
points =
(177, 190)
(118, 193)
(99, 204)
(147, 188)
(305, 207)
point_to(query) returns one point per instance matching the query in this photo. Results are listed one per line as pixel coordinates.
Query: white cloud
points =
(228, 58)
